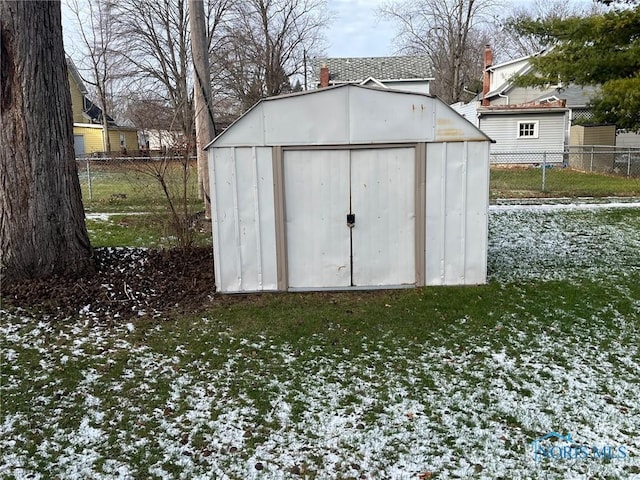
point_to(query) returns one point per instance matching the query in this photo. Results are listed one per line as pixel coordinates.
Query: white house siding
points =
(468, 110)
(519, 95)
(628, 139)
(421, 86)
(243, 219)
(457, 180)
(503, 129)
(504, 73)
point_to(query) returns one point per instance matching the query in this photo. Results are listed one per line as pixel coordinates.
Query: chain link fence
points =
(591, 170)
(137, 182)
(149, 183)
(623, 161)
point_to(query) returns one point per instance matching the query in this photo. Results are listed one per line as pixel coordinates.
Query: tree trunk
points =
(42, 229)
(202, 96)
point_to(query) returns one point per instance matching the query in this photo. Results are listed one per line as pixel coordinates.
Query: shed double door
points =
(350, 217)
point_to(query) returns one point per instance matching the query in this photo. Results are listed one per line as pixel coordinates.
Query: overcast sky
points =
(356, 30)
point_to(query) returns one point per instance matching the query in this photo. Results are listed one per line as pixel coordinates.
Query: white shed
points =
(349, 187)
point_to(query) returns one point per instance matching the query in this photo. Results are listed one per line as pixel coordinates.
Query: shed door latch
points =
(351, 220)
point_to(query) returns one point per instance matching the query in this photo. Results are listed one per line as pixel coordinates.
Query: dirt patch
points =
(128, 283)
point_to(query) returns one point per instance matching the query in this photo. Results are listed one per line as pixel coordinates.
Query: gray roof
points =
(575, 95)
(381, 68)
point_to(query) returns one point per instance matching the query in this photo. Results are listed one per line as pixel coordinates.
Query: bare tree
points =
(450, 32)
(266, 45)
(42, 229)
(94, 23)
(154, 39)
(517, 45)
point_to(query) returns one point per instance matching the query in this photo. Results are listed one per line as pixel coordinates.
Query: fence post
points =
(544, 170)
(89, 180)
(591, 164)
(629, 163)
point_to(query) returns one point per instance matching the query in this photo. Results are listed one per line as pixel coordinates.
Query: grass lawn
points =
(448, 382)
(135, 186)
(559, 182)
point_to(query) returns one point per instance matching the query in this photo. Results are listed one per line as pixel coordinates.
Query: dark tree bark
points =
(42, 229)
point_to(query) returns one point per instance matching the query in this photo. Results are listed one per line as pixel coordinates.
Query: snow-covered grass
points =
(428, 383)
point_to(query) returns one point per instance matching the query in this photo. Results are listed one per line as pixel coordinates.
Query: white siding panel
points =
(628, 139)
(381, 116)
(319, 119)
(456, 213)
(224, 224)
(454, 233)
(504, 130)
(247, 131)
(468, 111)
(316, 185)
(477, 208)
(421, 86)
(451, 127)
(434, 209)
(266, 212)
(254, 187)
(383, 201)
(243, 219)
(348, 114)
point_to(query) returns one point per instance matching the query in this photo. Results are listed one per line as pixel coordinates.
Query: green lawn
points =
(447, 382)
(127, 205)
(559, 182)
(135, 186)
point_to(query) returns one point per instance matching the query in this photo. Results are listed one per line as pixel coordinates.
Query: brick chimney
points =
(324, 76)
(486, 79)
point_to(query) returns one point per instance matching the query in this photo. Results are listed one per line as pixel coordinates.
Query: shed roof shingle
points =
(358, 69)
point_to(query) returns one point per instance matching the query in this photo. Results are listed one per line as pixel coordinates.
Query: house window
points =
(123, 141)
(527, 129)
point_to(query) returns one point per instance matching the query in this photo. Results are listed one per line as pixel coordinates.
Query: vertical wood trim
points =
(420, 211)
(279, 203)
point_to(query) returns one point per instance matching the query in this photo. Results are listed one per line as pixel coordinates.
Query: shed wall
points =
(457, 202)
(592, 135)
(243, 219)
(439, 161)
(348, 115)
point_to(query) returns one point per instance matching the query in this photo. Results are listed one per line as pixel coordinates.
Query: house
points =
(349, 187)
(517, 118)
(410, 73)
(527, 118)
(88, 136)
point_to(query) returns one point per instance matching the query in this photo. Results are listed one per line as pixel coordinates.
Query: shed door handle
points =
(351, 220)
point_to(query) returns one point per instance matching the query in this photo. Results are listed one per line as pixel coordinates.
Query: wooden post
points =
(205, 130)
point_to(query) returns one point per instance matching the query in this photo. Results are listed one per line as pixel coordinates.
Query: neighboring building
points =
(526, 118)
(88, 135)
(409, 73)
(349, 187)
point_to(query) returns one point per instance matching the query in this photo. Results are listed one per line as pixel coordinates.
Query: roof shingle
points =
(358, 69)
